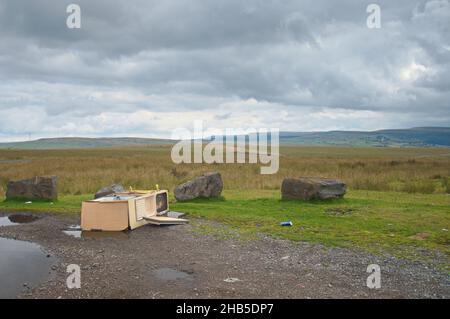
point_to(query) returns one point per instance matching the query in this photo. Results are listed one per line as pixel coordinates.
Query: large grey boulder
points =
(206, 186)
(308, 188)
(108, 190)
(39, 187)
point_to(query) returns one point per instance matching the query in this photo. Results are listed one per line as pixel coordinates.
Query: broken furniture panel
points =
(128, 210)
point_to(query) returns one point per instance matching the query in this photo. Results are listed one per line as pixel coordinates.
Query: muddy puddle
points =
(17, 219)
(22, 265)
(76, 232)
(170, 274)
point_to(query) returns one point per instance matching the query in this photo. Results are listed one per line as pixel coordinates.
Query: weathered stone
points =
(105, 191)
(206, 186)
(39, 187)
(308, 188)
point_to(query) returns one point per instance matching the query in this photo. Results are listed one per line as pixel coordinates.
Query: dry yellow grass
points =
(421, 170)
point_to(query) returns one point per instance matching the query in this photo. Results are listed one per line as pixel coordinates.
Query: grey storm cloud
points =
(303, 65)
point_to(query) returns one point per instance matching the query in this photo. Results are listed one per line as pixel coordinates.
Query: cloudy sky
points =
(142, 68)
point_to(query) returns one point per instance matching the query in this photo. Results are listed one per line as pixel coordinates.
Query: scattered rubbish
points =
(128, 210)
(21, 262)
(73, 230)
(288, 223)
(29, 202)
(170, 274)
(163, 220)
(285, 258)
(231, 280)
(444, 229)
(73, 233)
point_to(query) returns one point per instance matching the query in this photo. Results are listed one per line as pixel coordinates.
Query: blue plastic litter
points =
(288, 223)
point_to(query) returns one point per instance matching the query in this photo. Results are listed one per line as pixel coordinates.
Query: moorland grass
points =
(82, 171)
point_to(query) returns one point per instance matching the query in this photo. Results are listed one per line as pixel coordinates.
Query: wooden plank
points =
(162, 220)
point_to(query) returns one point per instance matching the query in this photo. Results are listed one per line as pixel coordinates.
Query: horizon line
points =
(170, 139)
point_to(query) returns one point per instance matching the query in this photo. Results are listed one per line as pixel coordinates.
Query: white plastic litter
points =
(231, 280)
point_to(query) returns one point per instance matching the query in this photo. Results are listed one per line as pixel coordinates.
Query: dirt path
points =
(178, 262)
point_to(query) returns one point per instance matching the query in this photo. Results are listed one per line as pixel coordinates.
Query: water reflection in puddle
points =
(22, 264)
(170, 274)
(16, 219)
(5, 221)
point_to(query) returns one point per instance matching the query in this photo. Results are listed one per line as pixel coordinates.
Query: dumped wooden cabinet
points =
(121, 211)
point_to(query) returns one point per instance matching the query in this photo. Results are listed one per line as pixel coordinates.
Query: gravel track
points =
(129, 266)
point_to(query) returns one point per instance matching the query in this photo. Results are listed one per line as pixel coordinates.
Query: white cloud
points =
(142, 68)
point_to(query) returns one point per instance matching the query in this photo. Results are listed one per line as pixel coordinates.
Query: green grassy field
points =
(411, 226)
(397, 223)
(398, 200)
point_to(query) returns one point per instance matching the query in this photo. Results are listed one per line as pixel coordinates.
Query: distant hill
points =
(415, 137)
(82, 142)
